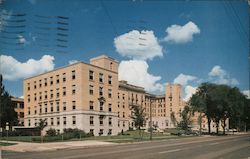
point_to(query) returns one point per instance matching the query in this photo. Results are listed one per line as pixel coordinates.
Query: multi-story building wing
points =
(80, 96)
(19, 109)
(128, 95)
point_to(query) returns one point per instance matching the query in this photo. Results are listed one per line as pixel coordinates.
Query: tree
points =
(219, 103)
(41, 125)
(138, 116)
(173, 119)
(186, 119)
(7, 111)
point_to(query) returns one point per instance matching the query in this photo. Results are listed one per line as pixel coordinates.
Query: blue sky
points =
(208, 42)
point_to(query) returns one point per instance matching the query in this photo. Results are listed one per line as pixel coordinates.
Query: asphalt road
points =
(223, 147)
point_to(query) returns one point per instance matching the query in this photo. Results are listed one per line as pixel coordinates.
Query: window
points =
(45, 95)
(57, 79)
(51, 93)
(110, 132)
(123, 105)
(51, 107)
(57, 93)
(123, 96)
(40, 95)
(51, 80)
(73, 74)
(118, 105)
(123, 114)
(101, 132)
(91, 131)
(28, 98)
(28, 86)
(101, 77)
(35, 112)
(110, 121)
(123, 123)
(118, 123)
(57, 107)
(111, 64)
(21, 114)
(110, 93)
(34, 84)
(64, 91)
(91, 120)
(101, 106)
(73, 89)
(101, 91)
(101, 120)
(91, 75)
(64, 77)
(40, 108)
(40, 83)
(64, 121)
(51, 121)
(34, 96)
(110, 107)
(58, 120)
(118, 114)
(73, 105)
(73, 120)
(45, 108)
(64, 106)
(91, 105)
(29, 122)
(45, 82)
(110, 79)
(118, 94)
(28, 110)
(91, 89)
(35, 122)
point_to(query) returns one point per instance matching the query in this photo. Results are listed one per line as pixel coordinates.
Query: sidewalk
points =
(31, 147)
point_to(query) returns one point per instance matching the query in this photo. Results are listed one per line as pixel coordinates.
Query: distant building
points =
(19, 109)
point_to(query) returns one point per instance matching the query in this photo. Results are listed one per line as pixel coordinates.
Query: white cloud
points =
(220, 76)
(73, 61)
(136, 73)
(181, 34)
(189, 91)
(5, 15)
(11, 69)
(247, 93)
(184, 79)
(138, 45)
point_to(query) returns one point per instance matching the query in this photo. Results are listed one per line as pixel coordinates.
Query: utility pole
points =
(150, 116)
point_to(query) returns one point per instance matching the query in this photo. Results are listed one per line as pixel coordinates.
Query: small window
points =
(101, 132)
(110, 79)
(110, 132)
(101, 77)
(110, 93)
(58, 120)
(57, 79)
(73, 105)
(51, 121)
(57, 107)
(64, 121)
(34, 84)
(73, 89)
(40, 83)
(28, 98)
(51, 80)
(64, 77)
(73, 120)
(110, 121)
(110, 107)
(51, 107)
(91, 120)
(101, 91)
(45, 108)
(91, 75)
(101, 120)
(64, 91)
(64, 106)
(45, 82)
(28, 87)
(91, 89)
(73, 74)
(91, 105)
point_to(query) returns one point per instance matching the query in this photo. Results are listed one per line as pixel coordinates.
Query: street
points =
(235, 147)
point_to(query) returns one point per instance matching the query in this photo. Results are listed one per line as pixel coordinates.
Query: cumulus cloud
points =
(220, 76)
(246, 93)
(136, 73)
(21, 39)
(189, 91)
(138, 45)
(181, 34)
(184, 79)
(12, 69)
(73, 61)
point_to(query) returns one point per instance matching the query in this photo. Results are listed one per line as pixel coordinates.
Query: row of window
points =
(101, 91)
(91, 107)
(101, 77)
(51, 82)
(52, 122)
(64, 92)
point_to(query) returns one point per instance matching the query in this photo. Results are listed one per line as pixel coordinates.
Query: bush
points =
(51, 132)
(75, 133)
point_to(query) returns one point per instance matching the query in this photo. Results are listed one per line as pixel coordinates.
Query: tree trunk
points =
(209, 125)
(217, 127)
(200, 121)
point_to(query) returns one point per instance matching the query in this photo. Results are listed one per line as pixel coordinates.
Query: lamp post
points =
(7, 130)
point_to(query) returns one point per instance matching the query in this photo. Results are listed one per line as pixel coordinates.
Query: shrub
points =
(51, 132)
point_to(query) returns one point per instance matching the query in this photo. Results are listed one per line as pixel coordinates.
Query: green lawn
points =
(129, 136)
(7, 144)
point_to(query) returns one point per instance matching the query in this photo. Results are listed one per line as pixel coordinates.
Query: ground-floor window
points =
(110, 132)
(101, 132)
